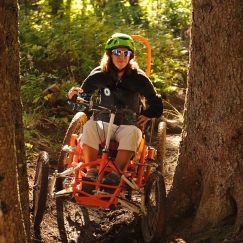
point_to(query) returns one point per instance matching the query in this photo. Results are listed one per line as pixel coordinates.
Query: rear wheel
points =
(40, 188)
(75, 127)
(161, 140)
(155, 200)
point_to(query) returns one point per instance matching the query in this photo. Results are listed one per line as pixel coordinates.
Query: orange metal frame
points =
(139, 172)
(145, 41)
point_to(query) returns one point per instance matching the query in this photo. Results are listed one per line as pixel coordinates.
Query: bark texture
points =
(14, 201)
(208, 182)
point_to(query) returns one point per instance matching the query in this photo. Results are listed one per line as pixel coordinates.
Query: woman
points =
(119, 72)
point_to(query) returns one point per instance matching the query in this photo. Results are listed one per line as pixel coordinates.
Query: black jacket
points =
(125, 93)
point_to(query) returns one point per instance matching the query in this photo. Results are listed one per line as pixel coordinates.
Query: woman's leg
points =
(90, 154)
(122, 158)
(91, 138)
(128, 137)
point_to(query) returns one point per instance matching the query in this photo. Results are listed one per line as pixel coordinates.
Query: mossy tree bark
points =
(14, 196)
(208, 181)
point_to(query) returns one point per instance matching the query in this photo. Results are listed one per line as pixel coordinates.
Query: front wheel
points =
(40, 188)
(155, 201)
(75, 127)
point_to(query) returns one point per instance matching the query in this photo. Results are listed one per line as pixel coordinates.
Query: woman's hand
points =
(142, 120)
(74, 91)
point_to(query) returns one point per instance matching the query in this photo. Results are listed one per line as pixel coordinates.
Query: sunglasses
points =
(125, 53)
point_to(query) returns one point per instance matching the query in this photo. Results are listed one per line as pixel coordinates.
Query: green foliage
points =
(62, 44)
(172, 112)
(176, 15)
(28, 146)
(170, 15)
(30, 120)
(169, 65)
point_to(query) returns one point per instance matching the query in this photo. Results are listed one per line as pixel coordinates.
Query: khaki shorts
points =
(128, 136)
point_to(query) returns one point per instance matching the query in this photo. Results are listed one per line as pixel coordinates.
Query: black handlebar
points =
(83, 102)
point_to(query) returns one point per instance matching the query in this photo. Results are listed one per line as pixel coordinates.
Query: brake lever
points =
(86, 103)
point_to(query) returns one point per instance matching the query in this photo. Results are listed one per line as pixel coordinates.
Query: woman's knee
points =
(90, 125)
(93, 132)
(134, 132)
(130, 138)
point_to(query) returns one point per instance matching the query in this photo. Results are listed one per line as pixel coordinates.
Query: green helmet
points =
(120, 40)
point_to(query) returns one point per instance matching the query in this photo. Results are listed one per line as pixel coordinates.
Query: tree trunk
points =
(14, 197)
(133, 2)
(55, 6)
(208, 181)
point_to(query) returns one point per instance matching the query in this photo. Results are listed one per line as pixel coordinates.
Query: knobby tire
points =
(155, 200)
(40, 188)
